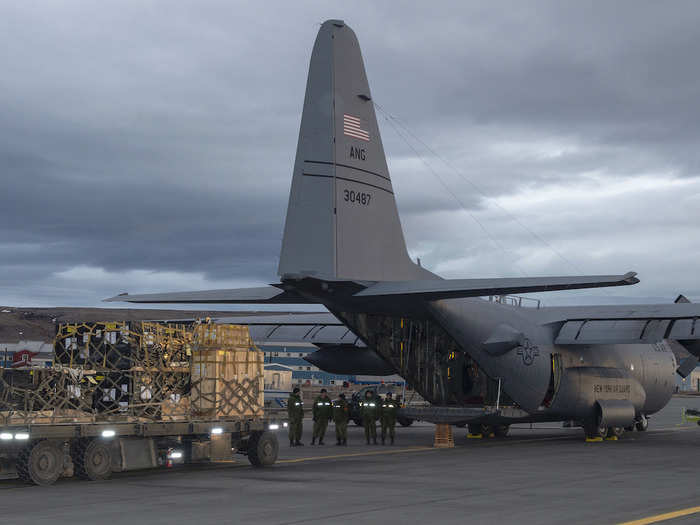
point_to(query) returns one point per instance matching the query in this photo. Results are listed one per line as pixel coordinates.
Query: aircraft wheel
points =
(615, 432)
(595, 431)
(487, 430)
(501, 430)
(40, 462)
(474, 429)
(642, 424)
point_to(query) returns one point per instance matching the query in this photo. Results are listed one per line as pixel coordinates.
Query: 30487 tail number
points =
(357, 197)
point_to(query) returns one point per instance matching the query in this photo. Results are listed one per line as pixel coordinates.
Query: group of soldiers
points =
(372, 408)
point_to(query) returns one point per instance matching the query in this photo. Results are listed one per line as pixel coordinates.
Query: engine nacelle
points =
(601, 394)
(615, 413)
(349, 359)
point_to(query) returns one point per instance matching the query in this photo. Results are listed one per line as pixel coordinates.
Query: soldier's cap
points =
(388, 394)
(323, 390)
(296, 390)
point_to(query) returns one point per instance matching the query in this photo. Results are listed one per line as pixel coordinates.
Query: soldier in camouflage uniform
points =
(388, 417)
(370, 411)
(341, 414)
(322, 412)
(295, 413)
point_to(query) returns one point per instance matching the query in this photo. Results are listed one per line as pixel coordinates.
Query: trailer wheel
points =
(40, 462)
(262, 449)
(358, 422)
(92, 459)
(404, 421)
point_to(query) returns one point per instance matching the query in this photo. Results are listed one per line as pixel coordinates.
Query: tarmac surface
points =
(546, 474)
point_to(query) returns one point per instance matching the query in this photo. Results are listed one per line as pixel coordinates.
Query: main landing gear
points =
(596, 432)
(485, 431)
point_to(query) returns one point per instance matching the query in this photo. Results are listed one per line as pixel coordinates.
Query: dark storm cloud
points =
(150, 146)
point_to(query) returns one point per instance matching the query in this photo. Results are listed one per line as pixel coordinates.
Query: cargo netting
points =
(139, 371)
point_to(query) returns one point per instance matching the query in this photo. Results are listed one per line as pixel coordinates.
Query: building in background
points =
(291, 356)
(26, 354)
(278, 384)
(690, 383)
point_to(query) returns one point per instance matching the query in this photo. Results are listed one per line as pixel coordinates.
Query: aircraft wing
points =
(453, 288)
(319, 329)
(624, 324)
(427, 289)
(259, 295)
(340, 350)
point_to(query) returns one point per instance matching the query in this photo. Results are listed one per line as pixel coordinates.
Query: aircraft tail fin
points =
(342, 220)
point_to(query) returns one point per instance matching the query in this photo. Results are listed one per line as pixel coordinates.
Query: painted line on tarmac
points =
(358, 454)
(663, 517)
(415, 449)
(668, 429)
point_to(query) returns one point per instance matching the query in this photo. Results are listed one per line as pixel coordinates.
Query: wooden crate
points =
(227, 373)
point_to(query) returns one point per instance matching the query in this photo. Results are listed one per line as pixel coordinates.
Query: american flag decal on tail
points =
(353, 128)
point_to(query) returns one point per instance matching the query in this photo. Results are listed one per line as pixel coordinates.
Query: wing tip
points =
(120, 297)
(630, 278)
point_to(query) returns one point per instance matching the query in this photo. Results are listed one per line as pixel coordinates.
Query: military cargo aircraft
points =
(605, 367)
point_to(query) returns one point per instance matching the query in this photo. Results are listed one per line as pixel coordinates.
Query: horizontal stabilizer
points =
(453, 288)
(260, 295)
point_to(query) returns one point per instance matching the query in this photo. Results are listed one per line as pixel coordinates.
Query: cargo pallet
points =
(127, 396)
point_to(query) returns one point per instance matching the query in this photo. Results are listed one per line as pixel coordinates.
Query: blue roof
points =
(277, 366)
(307, 374)
(286, 349)
(289, 361)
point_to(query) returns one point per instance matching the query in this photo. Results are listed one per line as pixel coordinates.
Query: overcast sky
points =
(148, 146)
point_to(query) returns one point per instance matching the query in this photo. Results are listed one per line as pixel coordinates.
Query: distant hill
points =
(38, 324)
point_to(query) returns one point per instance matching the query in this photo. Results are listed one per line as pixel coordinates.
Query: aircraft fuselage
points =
(512, 346)
(563, 380)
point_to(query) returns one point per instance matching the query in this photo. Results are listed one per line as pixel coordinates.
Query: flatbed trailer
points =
(42, 453)
(126, 396)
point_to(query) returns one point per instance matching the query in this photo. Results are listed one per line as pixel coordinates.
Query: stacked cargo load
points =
(139, 371)
(227, 378)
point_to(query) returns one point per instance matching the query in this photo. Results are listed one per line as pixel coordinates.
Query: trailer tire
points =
(40, 462)
(92, 459)
(263, 448)
(404, 421)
